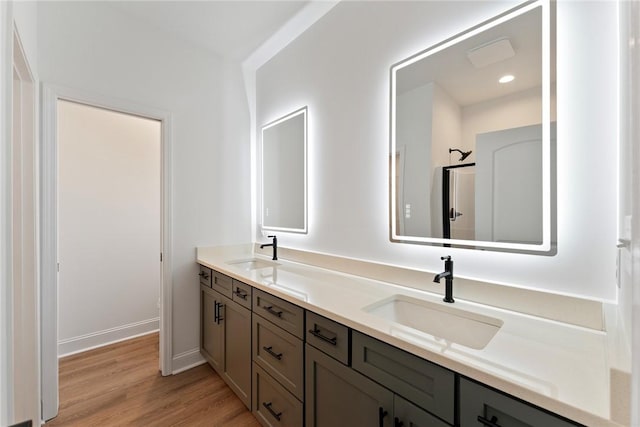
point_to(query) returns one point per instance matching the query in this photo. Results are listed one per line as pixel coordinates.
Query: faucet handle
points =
(446, 258)
(271, 237)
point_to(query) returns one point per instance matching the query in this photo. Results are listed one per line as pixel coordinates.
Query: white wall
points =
(340, 69)
(108, 226)
(25, 15)
(447, 128)
(91, 47)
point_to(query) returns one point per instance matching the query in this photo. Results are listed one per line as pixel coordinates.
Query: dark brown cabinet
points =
(429, 386)
(211, 329)
(225, 340)
(293, 367)
(336, 395)
(237, 349)
(483, 406)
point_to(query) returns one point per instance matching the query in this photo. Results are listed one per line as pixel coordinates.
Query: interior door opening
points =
(108, 226)
(105, 228)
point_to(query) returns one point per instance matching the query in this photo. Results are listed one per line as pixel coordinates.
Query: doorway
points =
(108, 226)
(105, 238)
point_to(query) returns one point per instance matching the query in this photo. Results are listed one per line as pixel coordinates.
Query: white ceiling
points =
(452, 71)
(231, 28)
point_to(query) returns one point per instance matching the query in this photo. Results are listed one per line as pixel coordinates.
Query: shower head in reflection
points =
(463, 154)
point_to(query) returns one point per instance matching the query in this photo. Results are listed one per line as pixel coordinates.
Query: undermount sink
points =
(253, 263)
(449, 323)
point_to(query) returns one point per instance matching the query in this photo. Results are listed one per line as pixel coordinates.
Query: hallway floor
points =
(120, 385)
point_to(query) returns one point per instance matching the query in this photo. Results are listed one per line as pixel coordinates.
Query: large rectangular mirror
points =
(284, 173)
(473, 137)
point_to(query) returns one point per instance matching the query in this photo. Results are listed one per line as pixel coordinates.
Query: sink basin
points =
(252, 263)
(449, 323)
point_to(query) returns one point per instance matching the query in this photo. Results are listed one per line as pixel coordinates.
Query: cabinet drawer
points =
(328, 336)
(222, 283)
(205, 276)
(288, 316)
(242, 293)
(481, 405)
(427, 385)
(272, 404)
(280, 354)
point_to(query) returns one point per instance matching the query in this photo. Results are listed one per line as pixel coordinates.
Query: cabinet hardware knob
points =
(275, 414)
(316, 333)
(381, 414)
(272, 311)
(273, 353)
(493, 422)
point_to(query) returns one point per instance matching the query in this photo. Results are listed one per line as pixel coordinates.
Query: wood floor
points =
(120, 385)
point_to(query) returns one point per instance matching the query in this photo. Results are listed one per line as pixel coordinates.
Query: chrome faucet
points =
(274, 243)
(447, 274)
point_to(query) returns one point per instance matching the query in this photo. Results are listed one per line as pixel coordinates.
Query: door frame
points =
(50, 96)
(19, 322)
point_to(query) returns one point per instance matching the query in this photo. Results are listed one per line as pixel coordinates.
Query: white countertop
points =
(556, 366)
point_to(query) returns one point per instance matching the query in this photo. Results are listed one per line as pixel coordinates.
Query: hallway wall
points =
(121, 57)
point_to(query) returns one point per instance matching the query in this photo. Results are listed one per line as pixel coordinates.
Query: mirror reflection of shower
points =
(463, 154)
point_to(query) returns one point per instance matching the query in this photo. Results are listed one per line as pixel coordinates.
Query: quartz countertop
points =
(559, 367)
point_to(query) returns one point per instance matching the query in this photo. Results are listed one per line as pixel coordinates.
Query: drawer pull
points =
(397, 422)
(316, 333)
(218, 316)
(275, 414)
(241, 294)
(273, 353)
(381, 414)
(272, 311)
(493, 422)
(204, 275)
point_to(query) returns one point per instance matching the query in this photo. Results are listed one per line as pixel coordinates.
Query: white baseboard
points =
(186, 360)
(97, 339)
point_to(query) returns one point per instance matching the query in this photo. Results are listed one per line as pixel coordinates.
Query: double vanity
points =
(303, 345)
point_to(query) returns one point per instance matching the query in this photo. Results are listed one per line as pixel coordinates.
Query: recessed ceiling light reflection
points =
(506, 78)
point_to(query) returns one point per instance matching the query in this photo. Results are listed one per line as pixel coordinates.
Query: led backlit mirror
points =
(473, 137)
(284, 173)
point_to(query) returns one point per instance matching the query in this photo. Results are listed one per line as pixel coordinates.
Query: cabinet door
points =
(237, 370)
(406, 414)
(338, 396)
(484, 407)
(211, 330)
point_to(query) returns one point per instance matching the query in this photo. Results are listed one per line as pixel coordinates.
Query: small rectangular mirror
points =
(473, 137)
(284, 173)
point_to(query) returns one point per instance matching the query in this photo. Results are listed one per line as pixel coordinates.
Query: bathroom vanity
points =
(325, 348)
